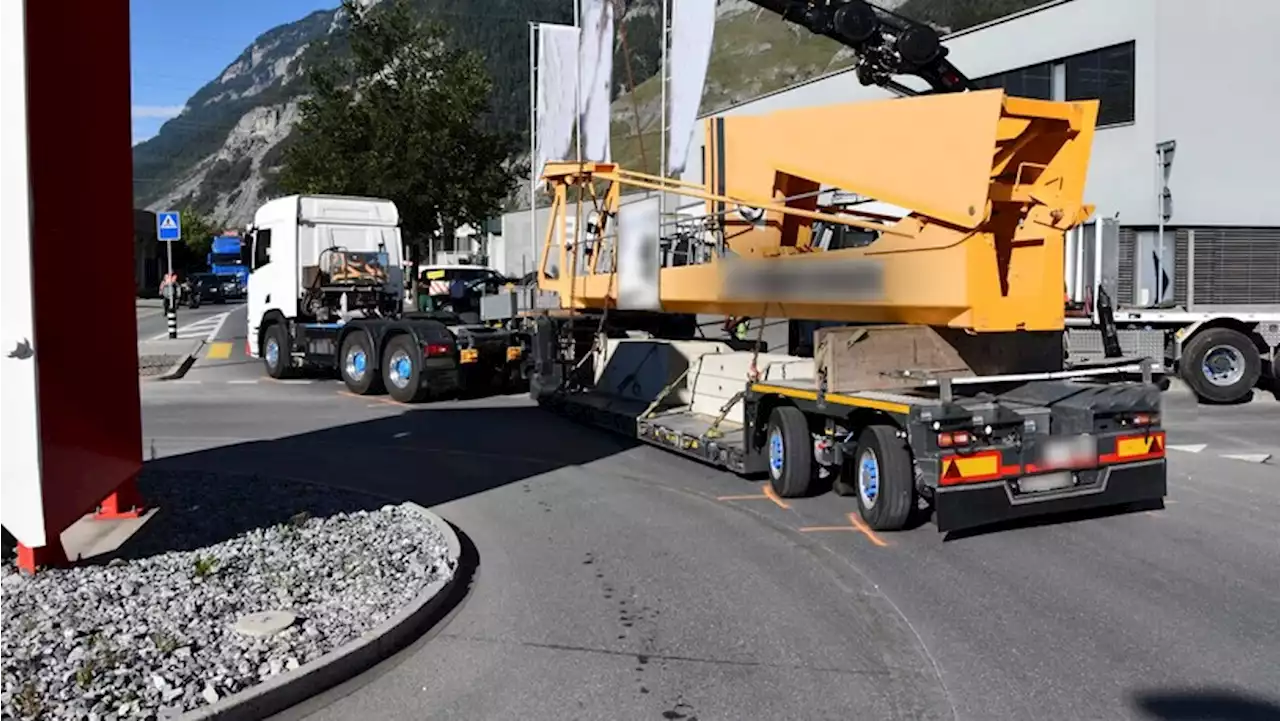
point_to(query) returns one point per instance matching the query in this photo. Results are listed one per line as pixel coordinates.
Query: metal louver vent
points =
(1181, 240)
(1237, 266)
(1124, 276)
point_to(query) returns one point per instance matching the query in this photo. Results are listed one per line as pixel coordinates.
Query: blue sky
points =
(179, 45)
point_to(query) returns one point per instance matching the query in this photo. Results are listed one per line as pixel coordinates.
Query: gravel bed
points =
(149, 632)
(154, 365)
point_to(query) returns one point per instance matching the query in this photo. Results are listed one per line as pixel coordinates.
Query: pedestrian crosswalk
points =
(204, 329)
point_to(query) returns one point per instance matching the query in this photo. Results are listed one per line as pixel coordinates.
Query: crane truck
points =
(942, 387)
(326, 293)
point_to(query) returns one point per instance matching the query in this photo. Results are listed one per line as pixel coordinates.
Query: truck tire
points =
(790, 452)
(402, 370)
(358, 365)
(883, 478)
(1221, 365)
(276, 354)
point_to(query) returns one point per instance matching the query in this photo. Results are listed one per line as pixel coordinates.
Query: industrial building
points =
(1188, 102)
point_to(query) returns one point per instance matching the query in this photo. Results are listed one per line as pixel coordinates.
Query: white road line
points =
(1248, 457)
(1188, 448)
(196, 330)
(296, 382)
(222, 320)
(243, 382)
(402, 434)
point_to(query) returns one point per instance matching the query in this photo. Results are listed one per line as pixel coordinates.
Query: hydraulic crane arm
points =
(887, 44)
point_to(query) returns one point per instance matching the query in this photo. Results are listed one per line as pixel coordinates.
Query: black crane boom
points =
(887, 44)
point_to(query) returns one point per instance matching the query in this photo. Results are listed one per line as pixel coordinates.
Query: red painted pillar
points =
(69, 361)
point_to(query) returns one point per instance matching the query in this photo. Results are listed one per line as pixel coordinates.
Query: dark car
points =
(206, 288)
(230, 284)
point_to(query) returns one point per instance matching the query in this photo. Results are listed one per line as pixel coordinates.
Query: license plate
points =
(1071, 452)
(513, 354)
(1046, 482)
(469, 355)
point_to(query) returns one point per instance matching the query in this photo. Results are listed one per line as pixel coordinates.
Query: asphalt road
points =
(192, 323)
(620, 581)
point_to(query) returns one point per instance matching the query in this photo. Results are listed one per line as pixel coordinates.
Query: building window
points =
(1035, 81)
(1105, 75)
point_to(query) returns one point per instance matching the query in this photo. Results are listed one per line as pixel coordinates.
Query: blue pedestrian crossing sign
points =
(168, 226)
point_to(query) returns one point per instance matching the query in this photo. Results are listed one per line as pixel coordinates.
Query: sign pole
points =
(169, 231)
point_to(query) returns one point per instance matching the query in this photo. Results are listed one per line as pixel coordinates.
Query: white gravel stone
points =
(155, 634)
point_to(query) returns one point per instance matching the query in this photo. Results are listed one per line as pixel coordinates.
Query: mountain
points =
(220, 155)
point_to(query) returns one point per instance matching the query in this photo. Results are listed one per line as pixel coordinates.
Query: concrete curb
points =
(293, 687)
(179, 369)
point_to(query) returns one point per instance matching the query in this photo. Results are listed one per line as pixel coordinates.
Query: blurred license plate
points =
(1046, 482)
(1072, 452)
(469, 355)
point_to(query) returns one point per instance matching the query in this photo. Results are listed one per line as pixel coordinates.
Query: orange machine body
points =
(989, 185)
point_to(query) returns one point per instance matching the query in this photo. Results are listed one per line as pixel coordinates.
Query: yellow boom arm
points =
(989, 185)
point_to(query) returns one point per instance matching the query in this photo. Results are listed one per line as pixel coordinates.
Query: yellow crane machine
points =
(930, 229)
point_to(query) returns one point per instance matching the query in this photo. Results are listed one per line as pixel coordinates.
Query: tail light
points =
(435, 350)
(953, 439)
(1143, 419)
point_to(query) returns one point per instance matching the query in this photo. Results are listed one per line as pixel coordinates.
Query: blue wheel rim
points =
(777, 454)
(868, 477)
(357, 363)
(401, 367)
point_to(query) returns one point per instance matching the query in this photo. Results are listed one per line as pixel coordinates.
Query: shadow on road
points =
(1205, 705)
(430, 456)
(1056, 519)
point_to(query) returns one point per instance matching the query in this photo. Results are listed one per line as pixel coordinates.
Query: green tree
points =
(402, 113)
(197, 232)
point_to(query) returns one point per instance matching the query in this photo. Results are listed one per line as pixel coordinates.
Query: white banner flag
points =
(596, 63)
(693, 24)
(557, 88)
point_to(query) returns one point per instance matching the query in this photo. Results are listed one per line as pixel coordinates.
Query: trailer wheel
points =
(1221, 365)
(883, 478)
(357, 365)
(402, 370)
(275, 351)
(790, 450)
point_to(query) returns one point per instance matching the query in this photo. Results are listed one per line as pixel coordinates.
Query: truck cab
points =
(226, 257)
(291, 234)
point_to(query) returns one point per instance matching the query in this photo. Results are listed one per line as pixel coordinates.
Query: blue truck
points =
(226, 258)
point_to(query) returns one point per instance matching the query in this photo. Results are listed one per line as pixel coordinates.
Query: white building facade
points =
(1200, 74)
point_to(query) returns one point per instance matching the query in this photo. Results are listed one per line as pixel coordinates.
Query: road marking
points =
(862, 528)
(856, 525)
(382, 401)
(402, 434)
(751, 497)
(219, 351)
(771, 495)
(1248, 457)
(205, 329)
(243, 383)
(222, 320)
(187, 383)
(1188, 448)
